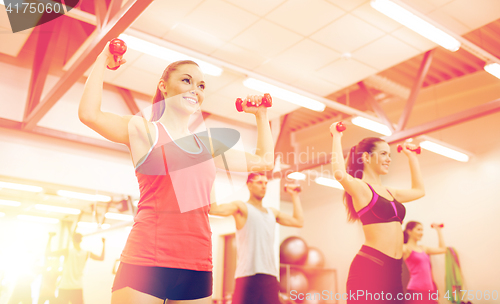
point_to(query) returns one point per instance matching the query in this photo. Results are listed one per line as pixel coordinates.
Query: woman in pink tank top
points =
(168, 255)
(421, 284)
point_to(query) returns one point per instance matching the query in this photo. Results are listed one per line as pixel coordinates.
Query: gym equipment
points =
(267, 101)
(340, 127)
(297, 188)
(293, 250)
(117, 47)
(440, 225)
(315, 258)
(416, 150)
(297, 280)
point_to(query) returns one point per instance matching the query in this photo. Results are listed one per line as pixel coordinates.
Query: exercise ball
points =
(312, 297)
(298, 281)
(293, 250)
(315, 258)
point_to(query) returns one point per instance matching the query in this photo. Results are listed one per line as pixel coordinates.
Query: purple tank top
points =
(419, 265)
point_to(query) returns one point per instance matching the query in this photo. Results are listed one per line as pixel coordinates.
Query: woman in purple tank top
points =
(416, 257)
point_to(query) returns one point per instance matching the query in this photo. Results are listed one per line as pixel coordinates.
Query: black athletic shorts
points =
(163, 282)
(257, 289)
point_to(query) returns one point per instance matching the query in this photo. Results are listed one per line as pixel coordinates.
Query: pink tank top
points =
(171, 228)
(419, 265)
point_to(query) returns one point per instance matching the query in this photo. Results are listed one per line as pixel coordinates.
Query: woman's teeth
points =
(191, 100)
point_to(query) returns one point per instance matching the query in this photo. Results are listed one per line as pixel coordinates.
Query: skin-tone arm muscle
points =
(295, 220)
(263, 159)
(354, 186)
(442, 246)
(101, 257)
(111, 126)
(417, 182)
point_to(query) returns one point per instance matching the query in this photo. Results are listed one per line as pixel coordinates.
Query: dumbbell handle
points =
(297, 188)
(416, 150)
(440, 225)
(117, 47)
(340, 127)
(267, 101)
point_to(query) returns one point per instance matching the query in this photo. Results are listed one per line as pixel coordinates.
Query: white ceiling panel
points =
(194, 38)
(449, 22)
(303, 58)
(257, 7)
(239, 56)
(367, 13)
(305, 17)
(348, 5)
(280, 72)
(385, 52)
(306, 56)
(346, 72)
(162, 15)
(266, 38)
(150, 64)
(220, 19)
(315, 84)
(137, 80)
(416, 40)
(423, 6)
(473, 13)
(347, 34)
(215, 83)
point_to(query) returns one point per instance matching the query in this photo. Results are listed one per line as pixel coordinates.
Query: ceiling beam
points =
(438, 124)
(122, 20)
(376, 106)
(45, 49)
(448, 121)
(129, 101)
(113, 8)
(422, 73)
(100, 10)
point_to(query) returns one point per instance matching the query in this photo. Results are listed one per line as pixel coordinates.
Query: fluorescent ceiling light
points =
(2, 214)
(371, 125)
(84, 196)
(329, 182)
(297, 176)
(117, 216)
(57, 209)
(10, 203)
(277, 92)
(161, 52)
(21, 187)
(38, 219)
(493, 68)
(415, 23)
(439, 149)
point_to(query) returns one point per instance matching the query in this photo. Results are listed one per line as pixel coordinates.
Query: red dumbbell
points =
(340, 127)
(117, 47)
(440, 225)
(417, 150)
(267, 101)
(297, 188)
